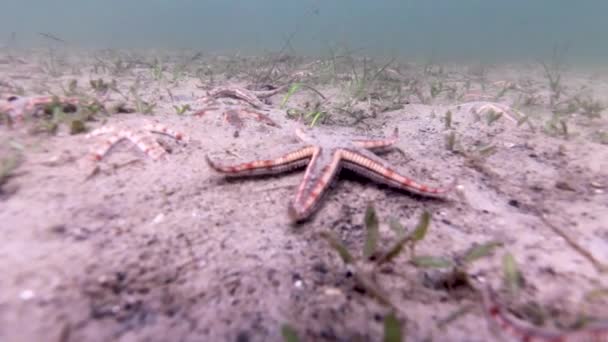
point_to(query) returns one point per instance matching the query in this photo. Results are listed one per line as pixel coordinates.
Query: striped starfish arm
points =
(320, 172)
(284, 163)
(371, 166)
(104, 147)
(162, 129)
(207, 104)
(205, 111)
(239, 93)
(378, 144)
(36, 103)
(142, 141)
(261, 117)
(101, 130)
(496, 315)
(146, 143)
(498, 108)
(43, 100)
(261, 94)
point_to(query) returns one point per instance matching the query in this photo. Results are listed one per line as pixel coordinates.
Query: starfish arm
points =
(497, 317)
(146, 143)
(42, 101)
(261, 117)
(317, 178)
(202, 112)
(101, 130)
(486, 107)
(162, 129)
(208, 104)
(371, 166)
(103, 148)
(377, 144)
(268, 93)
(238, 93)
(264, 167)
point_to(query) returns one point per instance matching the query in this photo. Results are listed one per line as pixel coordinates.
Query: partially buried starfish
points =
(18, 108)
(232, 111)
(141, 138)
(497, 109)
(325, 155)
(522, 331)
(253, 97)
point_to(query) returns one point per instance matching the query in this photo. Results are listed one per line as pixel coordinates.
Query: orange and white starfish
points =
(253, 97)
(232, 111)
(18, 108)
(593, 332)
(325, 155)
(498, 108)
(142, 138)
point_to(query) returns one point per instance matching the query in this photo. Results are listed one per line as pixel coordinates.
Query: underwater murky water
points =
(472, 29)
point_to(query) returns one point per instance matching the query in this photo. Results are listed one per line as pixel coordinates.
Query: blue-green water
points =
(467, 29)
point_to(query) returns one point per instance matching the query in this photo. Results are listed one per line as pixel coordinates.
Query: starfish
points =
(325, 155)
(142, 138)
(498, 108)
(18, 108)
(232, 111)
(474, 95)
(596, 331)
(253, 97)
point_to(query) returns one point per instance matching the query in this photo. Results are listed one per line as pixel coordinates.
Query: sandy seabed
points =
(142, 250)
